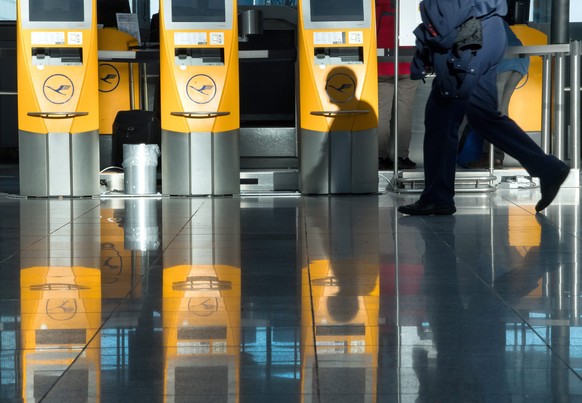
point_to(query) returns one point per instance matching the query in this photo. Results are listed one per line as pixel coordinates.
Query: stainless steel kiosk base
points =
(59, 164)
(339, 162)
(199, 164)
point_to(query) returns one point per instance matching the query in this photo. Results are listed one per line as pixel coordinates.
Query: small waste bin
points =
(140, 162)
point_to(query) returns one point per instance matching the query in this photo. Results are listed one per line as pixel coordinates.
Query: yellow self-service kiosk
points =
(338, 97)
(58, 98)
(200, 115)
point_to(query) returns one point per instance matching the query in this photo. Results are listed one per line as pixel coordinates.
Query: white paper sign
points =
(329, 38)
(127, 22)
(47, 38)
(75, 38)
(356, 38)
(190, 38)
(217, 38)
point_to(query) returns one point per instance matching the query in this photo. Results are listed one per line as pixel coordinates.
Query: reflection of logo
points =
(201, 89)
(61, 308)
(111, 263)
(203, 306)
(108, 77)
(58, 89)
(340, 88)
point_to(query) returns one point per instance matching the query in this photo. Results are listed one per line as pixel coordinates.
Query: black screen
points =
(198, 11)
(56, 10)
(337, 10)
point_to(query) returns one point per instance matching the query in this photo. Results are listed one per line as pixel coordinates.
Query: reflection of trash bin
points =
(140, 163)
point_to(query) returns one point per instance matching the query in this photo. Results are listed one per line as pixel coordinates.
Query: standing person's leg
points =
(443, 117)
(385, 100)
(406, 94)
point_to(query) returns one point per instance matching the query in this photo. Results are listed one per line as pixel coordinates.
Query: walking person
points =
(463, 41)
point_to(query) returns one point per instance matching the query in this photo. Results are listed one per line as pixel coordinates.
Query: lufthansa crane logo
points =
(201, 89)
(108, 77)
(340, 88)
(58, 89)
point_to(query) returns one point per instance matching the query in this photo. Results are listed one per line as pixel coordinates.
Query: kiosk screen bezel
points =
(308, 23)
(184, 25)
(86, 23)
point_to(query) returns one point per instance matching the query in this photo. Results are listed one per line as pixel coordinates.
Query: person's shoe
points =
(551, 188)
(406, 163)
(421, 208)
(385, 164)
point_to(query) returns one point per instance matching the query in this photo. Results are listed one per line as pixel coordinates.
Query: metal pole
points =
(394, 133)
(559, 103)
(546, 103)
(560, 21)
(575, 103)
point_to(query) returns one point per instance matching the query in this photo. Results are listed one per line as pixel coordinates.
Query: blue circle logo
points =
(58, 89)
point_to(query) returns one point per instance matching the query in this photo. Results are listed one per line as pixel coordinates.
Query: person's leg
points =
(385, 99)
(502, 131)
(406, 94)
(443, 117)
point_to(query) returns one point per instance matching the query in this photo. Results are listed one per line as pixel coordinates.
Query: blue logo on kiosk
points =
(340, 88)
(201, 89)
(108, 77)
(58, 89)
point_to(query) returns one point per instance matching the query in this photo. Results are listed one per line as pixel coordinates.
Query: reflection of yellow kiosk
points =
(338, 96)
(58, 114)
(60, 292)
(201, 302)
(61, 311)
(200, 97)
(340, 294)
(201, 319)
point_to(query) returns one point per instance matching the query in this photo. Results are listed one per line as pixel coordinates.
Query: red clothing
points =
(385, 35)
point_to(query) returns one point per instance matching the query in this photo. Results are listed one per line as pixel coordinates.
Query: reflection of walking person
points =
(385, 14)
(463, 42)
(510, 71)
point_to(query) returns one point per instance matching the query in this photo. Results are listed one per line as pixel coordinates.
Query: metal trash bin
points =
(140, 162)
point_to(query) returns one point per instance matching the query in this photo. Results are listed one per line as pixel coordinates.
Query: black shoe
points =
(551, 188)
(406, 163)
(385, 164)
(421, 208)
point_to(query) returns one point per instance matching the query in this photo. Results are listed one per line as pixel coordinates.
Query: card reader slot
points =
(57, 56)
(200, 56)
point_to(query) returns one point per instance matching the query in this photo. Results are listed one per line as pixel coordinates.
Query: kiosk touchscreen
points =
(338, 97)
(58, 107)
(200, 115)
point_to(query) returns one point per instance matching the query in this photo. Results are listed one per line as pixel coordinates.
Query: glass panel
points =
(56, 10)
(337, 10)
(198, 11)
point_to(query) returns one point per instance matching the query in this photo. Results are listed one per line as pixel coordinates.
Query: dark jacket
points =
(447, 39)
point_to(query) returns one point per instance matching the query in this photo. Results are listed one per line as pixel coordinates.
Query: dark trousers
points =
(443, 117)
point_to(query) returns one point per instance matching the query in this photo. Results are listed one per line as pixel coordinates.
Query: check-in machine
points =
(199, 97)
(58, 98)
(338, 97)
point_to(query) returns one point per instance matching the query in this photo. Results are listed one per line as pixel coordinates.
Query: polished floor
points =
(289, 299)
